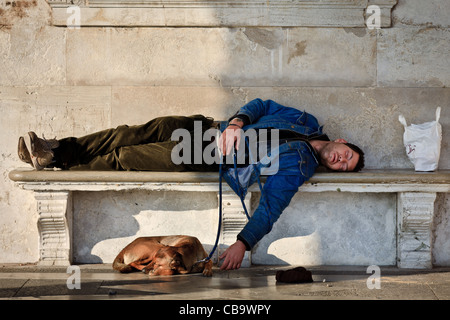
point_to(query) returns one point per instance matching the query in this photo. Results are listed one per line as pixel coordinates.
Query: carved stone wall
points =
(55, 227)
(156, 58)
(415, 217)
(234, 219)
(219, 13)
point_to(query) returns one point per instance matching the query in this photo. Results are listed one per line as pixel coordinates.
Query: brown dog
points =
(165, 255)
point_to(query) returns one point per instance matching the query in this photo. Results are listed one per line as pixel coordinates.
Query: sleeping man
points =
(300, 148)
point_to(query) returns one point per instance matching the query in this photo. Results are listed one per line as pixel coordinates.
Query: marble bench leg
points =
(233, 220)
(55, 227)
(415, 212)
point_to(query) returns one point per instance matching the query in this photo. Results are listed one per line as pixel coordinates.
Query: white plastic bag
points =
(423, 143)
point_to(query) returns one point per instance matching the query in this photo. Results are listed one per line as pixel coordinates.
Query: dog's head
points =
(167, 261)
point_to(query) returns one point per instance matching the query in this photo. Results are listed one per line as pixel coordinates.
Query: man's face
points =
(339, 157)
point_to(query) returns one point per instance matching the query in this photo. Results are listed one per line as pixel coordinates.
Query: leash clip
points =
(203, 260)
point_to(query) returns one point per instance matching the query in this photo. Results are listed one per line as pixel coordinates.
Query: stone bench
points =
(416, 194)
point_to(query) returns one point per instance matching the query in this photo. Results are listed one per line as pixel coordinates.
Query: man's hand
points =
(233, 256)
(230, 137)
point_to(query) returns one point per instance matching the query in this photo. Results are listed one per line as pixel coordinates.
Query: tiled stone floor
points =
(255, 283)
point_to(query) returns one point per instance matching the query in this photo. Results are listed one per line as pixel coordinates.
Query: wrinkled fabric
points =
(145, 147)
(297, 162)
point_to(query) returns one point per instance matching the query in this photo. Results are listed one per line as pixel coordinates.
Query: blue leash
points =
(242, 201)
(220, 214)
(241, 196)
(220, 218)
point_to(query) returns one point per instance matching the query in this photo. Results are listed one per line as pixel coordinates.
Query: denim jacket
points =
(297, 162)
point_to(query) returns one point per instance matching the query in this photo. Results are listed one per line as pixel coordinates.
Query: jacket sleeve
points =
(278, 192)
(258, 108)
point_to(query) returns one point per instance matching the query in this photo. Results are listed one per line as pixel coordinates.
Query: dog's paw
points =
(207, 272)
(146, 270)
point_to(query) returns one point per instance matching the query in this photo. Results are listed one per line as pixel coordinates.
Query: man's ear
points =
(341, 141)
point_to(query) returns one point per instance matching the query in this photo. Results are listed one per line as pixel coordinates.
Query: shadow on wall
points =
(330, 228)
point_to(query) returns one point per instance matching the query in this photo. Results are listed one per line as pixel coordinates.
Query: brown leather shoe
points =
(40, 150)
(23, 152)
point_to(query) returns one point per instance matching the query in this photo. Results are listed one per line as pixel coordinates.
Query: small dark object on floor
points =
(296, 275)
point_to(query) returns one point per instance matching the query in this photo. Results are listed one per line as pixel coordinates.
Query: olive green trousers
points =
(142, 147)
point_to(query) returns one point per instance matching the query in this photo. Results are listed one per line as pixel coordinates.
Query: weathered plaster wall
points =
(62, 82)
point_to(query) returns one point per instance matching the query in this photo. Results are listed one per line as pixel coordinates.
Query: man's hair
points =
(356, 149)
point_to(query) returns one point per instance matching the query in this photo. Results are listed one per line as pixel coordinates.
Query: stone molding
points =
(233, 221)
(415, 212)
(55, 227)
(218, 13)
